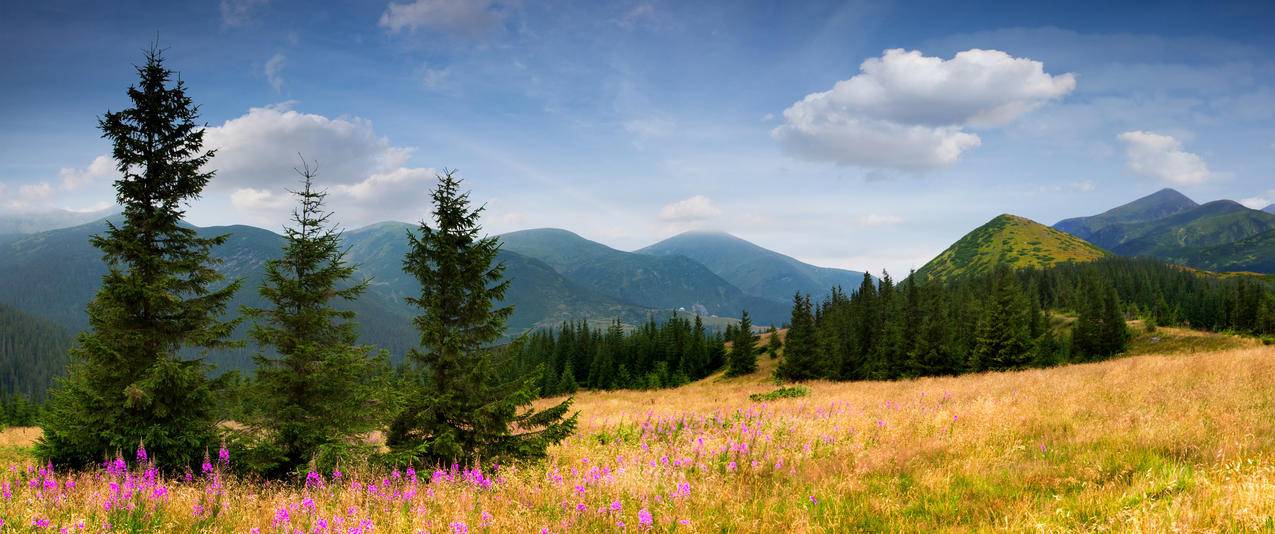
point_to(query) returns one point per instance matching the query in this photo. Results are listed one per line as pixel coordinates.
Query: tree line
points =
(1010, 319)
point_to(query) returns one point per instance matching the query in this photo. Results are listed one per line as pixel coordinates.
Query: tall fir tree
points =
(801, 348)
(742, 359)
(458, 411)
(130, 381)
(318, 391)
(773, 343)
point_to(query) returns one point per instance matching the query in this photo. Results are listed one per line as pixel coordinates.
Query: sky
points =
(863, 135)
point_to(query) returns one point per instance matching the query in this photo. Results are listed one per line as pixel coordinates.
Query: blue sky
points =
(865, 135)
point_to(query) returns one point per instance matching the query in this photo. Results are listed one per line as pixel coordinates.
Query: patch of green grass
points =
(781, 393)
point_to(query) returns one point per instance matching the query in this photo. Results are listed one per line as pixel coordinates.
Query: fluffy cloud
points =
(274, 71)
(100, 168)
(76, 189)
(694, 209)
(260, 149)
(908, 111)
(470, 17)
(1161, 157)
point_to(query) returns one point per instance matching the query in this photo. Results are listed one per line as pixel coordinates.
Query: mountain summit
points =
(755, 270)
(1009, 240)
(1162, 203)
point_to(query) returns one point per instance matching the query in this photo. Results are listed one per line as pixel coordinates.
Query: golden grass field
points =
(1157, 442)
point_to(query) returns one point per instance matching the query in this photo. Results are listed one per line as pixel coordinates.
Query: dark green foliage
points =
(801, 349)
(1004, 336)
(1002, 320)
(318, 391)
(781, 393)
(127, 382)
(652, 355)
(457, 409)
(19, 410)
(743, 357)
(32, 352)
(1101, 331)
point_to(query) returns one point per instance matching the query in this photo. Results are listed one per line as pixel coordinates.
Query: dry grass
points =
(1149, 443)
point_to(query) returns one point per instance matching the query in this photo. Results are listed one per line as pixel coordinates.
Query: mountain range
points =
(1219, 235)
(554, 275)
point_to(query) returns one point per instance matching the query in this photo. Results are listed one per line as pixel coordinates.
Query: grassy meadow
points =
(1177, 440)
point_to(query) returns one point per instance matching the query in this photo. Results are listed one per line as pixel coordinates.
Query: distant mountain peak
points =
(1269, 209)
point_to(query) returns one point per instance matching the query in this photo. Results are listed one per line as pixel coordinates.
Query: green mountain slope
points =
(1212, 224)
(753, 269)
(540, 295)
(1251, 254)
(659, 282)
(1106, 229)
(52, 276)
(1008, 240)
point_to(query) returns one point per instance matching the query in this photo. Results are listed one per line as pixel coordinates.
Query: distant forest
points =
(1003, 320)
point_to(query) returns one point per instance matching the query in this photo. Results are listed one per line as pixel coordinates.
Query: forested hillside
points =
(32, 352)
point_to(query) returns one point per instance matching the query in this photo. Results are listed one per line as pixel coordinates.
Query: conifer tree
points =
(1003, 340)
(567, 383)
(129, 382)
(742, 360)
(458, 411)
(801, 351)
(318, 391)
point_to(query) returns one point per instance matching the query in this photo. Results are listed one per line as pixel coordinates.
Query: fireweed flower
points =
(223, 455)
(459, 527)
(644, 518)
(141, 453)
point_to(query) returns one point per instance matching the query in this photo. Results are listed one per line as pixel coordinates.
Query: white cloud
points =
(260, 148)
(239, 12)
(873, 220)
(251, 199)
(1260, 201)
(274, 71)
(696, 208)
(908, 111)
(75, 190)
(1161, 156)
(101, 167)
(466, 17)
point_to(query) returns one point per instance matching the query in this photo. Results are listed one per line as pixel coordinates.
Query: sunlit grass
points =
(1162, 442)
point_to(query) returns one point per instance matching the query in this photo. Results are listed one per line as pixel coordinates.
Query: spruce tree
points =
(457, 411)
(130, 380)
(742, 359)
(318, 391)
(801, 348)
(1003, 340)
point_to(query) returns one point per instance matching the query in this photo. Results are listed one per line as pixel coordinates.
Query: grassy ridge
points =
(1008, 240)
(1157, 442)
